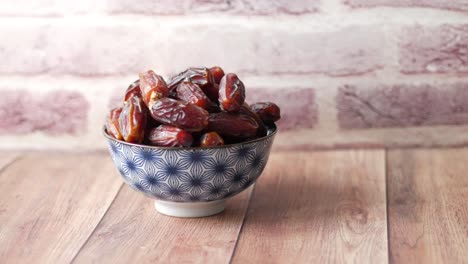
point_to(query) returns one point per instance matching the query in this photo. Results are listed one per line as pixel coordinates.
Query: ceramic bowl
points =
(191, 182)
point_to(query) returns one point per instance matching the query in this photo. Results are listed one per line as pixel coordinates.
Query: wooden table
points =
(355, 206)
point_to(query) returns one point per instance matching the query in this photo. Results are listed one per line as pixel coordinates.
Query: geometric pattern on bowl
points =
(191, 174)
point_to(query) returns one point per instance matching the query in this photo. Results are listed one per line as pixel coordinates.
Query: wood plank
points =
(6, 158)
(133, 232)
(324, 207)
(51, 203)
(428, 206)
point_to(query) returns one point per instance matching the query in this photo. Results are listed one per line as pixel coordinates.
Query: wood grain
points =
(51, 203)
(133, 232)
(324, 207)
(428, 206)
(6, 159)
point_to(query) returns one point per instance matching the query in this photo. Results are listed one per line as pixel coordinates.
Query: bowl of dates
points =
(191, 142)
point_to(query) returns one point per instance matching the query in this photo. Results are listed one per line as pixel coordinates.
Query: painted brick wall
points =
(347, 73)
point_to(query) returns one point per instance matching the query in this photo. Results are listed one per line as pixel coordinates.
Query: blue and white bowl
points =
(191, 182)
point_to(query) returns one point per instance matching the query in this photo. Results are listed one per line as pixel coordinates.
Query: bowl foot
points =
(200, 209)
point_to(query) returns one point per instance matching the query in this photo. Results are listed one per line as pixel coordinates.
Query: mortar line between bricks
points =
(380, 76)
(400, 16)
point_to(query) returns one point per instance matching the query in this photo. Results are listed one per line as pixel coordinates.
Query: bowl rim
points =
(273, 128)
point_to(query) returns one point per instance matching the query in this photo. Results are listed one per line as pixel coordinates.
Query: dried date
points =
(153, 87)
(231, 93)
(179, 114)
(212, 91)
(233, 125)
(191, 93)
(113, 124)
(133, 120)
(211, 139)
(200, 76)
(268, 112)
(217, 73)
(169, 136)
(133, 90)
(262, 129)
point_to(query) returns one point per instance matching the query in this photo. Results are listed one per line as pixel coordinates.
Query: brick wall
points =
(347, 73)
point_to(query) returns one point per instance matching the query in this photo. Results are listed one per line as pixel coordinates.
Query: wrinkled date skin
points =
(200, 76)
(179, 114)
(233, 125)
(133, 90)
(133, 120)
(231, 93)
(268, 112)
(211, 139)
(153, 87)
(191, 93)
(169, 136)
(113, 124)
(217, 73)
(262, 129)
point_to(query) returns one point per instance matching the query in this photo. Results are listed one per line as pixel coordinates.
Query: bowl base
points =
(200, 209)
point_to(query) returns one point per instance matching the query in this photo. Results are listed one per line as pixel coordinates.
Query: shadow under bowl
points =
(191, 182)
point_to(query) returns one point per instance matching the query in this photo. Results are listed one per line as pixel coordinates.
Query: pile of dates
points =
(199, 107)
